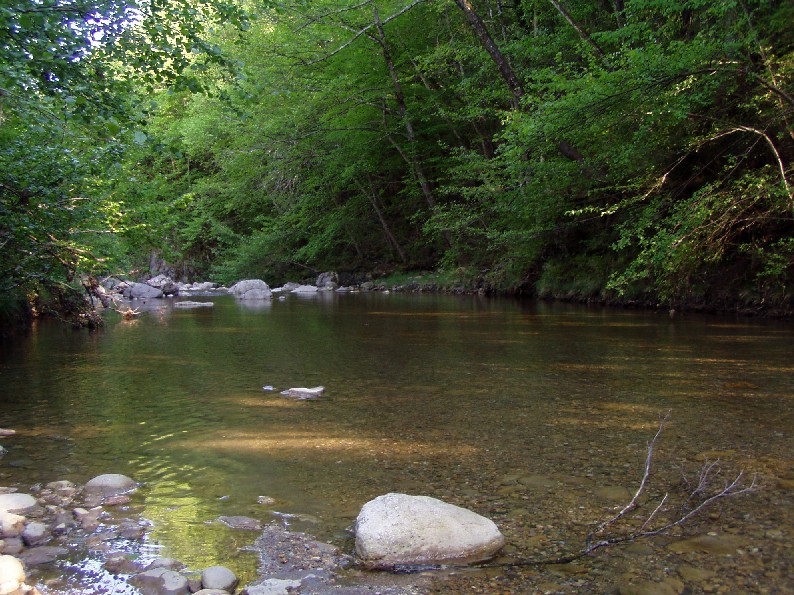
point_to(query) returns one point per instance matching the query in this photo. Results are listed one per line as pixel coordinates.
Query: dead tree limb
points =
(701, 494)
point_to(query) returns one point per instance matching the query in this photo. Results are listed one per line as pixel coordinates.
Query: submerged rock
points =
(304, 393)
(189, 304)
(161, 581)
(241, 522)
(398, 529)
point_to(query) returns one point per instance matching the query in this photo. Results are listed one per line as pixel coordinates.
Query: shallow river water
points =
(535, 415)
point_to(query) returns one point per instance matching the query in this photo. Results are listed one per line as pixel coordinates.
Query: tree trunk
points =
(481, 31)
(579, 29)
(402, 111)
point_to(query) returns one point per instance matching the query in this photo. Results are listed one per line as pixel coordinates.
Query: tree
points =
(70, 73)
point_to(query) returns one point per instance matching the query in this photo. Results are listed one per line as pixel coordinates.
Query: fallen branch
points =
(700, 495)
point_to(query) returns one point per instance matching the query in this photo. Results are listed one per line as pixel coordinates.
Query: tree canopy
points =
(635, 150)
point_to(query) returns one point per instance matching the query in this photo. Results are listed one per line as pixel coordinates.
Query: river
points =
(536, 415)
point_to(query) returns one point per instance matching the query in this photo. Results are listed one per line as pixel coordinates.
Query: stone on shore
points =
(35, 533)
(110, 484)
(398, 529)
(17, 503)
(11, 524)
(219, 577)
(251, 289)
(12, 574)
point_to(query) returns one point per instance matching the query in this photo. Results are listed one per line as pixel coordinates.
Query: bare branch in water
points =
(701, 493)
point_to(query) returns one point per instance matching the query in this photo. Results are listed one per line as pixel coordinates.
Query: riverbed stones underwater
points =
(69, 524)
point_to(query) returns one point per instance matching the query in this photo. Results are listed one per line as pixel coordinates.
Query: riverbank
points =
(77, 306)
(463, 281)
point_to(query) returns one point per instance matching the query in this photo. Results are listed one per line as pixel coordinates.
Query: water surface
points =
(523, 411)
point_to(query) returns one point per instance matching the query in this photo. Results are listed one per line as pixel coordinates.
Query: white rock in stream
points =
(304, 393)
(397, 529)
(110, 484)
(251, 289)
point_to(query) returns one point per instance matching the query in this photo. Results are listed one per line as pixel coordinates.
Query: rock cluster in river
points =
(112, 289)
(45, 525)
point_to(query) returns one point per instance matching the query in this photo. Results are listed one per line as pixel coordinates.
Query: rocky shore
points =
(97, 530)
(113, 290)
(62, 523)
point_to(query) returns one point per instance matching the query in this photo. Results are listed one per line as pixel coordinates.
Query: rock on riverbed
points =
(398, 529)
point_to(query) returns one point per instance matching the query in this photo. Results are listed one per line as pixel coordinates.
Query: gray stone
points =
(305, 289)
(219, 577)
(167, 563)
(142, 291)
(274, 586)
(18, 503)
(35, 533)
(397, 529)
(161, 581)
(304, 393)
(189, 304)
(12, 574)
(328, 280)
(211, 592)
(11, 524)
(241, 522)
(110, 484)
(251, 289)
(62, 487)
(11, 545)
(43, 554)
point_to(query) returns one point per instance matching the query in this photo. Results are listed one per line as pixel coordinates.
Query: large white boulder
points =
(251, 289)
(397, 529)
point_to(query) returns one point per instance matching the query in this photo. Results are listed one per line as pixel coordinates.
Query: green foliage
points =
(643, 151)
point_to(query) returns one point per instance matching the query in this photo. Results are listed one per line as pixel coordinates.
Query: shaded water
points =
(535, 415)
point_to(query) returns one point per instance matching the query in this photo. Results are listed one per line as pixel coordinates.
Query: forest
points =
(620, 151)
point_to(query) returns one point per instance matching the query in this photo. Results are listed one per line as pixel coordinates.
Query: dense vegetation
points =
(621, 149)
